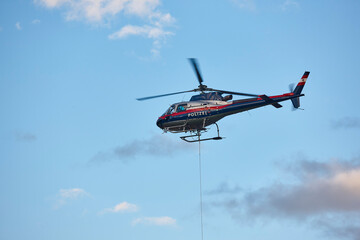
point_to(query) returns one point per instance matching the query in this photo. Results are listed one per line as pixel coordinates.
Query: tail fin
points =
(298, 89)
(300, 85)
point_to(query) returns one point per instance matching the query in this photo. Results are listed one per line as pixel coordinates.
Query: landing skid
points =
(190, 138)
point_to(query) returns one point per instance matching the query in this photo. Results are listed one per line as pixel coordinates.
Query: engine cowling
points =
(227, 98)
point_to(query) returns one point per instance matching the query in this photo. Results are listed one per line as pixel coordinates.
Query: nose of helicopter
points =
(159, 123)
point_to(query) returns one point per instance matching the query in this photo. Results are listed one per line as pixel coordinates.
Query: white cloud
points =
(142, 7)
(66, 195)
(90, 10)
(18, 26)
(151, 32)
(155, 30)
(157, 221)
(98, 10)
(103, 11)
(94, 10)
(52, 3)
(35, 21)
(121, 207)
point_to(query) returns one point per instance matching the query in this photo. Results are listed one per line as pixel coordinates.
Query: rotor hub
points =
(202, 87)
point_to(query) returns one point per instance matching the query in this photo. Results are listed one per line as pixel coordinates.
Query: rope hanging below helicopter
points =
(201, 210)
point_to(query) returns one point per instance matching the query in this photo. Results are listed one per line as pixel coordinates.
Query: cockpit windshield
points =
(170, 110)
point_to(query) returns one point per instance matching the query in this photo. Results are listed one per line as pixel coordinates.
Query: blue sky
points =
(80, 158)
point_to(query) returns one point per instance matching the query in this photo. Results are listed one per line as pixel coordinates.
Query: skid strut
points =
(191, 138)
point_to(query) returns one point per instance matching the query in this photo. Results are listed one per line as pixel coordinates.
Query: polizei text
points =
(195, 114)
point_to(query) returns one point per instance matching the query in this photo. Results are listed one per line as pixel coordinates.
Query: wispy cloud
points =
(71, 193)
(224, 188)
(339, 228)
(104, 11)
(156, 33)
(66, 195)
(287, 4)
(93, 11)
(158, 145)
(35, 21)
(245, 4)
(157, 221)
(121, 208)
(18, 26)
(26, 137)
(96, 11)
(322, 190)
(346, 123)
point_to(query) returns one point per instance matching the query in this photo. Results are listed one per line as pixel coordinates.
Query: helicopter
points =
(208, 107)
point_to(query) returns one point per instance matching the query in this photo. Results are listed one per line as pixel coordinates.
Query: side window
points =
(180, 108)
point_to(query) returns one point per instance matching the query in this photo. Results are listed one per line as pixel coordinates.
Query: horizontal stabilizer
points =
(270, 101)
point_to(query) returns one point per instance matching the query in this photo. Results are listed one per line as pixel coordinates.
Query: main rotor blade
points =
(164, 95)
(196, 69)
(235, 93)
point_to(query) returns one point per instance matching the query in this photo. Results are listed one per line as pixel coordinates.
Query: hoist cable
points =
(201, 210)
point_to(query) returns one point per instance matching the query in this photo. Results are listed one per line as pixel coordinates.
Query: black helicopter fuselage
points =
(196, 115)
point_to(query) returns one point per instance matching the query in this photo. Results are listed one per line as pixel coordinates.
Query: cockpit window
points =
(171, 110)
